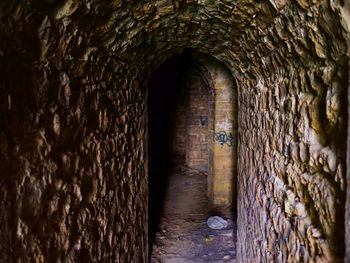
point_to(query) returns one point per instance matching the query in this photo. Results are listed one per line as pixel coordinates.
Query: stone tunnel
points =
(74, 84)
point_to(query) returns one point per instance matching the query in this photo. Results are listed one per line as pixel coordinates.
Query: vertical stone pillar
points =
(224, 141)
(211, 145)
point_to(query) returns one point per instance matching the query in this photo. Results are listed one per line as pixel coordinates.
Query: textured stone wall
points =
(197, 119)
(347, 209)
(292, 149)
(73, 164)
(345, 11)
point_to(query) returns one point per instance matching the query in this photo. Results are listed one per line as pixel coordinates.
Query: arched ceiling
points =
(75, 67)
(241, 33)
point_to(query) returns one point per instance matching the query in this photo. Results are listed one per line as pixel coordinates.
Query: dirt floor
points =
(183, 234)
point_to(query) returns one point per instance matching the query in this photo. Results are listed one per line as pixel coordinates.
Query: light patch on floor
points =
(183, 234)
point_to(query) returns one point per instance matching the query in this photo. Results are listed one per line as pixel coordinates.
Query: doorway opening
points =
(192, 151)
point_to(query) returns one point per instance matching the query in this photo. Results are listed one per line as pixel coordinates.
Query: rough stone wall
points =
(297, 177)
(197, 114)
(347, 208)
(73, 126)
(292, 149)
(73, 167)
(345, 11)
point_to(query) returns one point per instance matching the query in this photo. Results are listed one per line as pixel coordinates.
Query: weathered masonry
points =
(73, 124)
(205, 127)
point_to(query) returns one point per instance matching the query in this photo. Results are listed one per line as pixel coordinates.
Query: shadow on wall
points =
(166, 92)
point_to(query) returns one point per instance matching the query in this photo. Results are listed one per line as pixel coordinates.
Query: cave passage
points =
(164, 95)
(74, 133)
(178, 169)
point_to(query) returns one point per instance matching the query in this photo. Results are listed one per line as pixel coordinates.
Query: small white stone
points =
(216, 222)
(226, 257)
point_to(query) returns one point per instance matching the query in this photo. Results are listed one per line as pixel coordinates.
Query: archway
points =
(73, 134)
(191, 106)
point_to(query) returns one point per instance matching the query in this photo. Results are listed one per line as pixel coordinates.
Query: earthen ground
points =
(183, 234)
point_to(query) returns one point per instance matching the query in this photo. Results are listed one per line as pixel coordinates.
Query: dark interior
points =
(167, 87)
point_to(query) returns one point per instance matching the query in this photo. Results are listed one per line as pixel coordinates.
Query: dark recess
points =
(165, 90)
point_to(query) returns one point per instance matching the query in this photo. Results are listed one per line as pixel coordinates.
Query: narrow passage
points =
(183, 234)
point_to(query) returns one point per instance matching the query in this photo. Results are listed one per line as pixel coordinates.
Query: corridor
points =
(256, 104)
(183, 235)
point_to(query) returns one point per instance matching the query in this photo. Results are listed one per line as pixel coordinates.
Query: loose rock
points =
(216, 222)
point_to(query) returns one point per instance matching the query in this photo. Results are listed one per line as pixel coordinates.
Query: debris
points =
(216, 222)
(208, 239)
